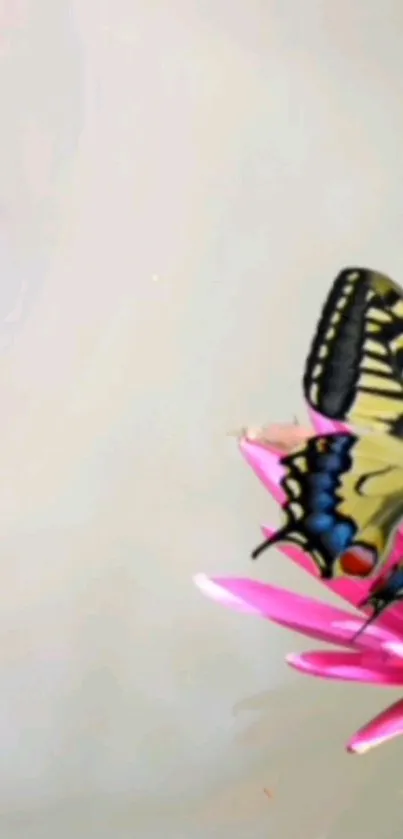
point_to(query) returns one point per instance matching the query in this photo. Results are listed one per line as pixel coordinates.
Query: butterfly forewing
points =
(354, 368)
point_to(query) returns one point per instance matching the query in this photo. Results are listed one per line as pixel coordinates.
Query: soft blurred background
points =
(179, 183)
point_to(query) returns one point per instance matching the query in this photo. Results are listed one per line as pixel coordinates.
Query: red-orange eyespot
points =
(358, 561)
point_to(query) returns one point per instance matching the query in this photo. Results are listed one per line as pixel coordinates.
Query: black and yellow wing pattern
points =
(344, 491)
(354, 370)
(344, 501)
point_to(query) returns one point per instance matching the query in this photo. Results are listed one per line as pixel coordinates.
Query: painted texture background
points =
(179, 183)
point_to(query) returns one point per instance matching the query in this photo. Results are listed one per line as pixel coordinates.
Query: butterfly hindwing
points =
(311, 482)
(343, 501)
(354, 370)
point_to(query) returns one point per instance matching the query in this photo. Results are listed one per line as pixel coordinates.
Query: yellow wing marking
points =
(376, 365)
(372, 491)
(372, 382)
(375, 347)
(379, 315)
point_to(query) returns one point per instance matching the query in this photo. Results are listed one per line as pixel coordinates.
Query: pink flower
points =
(374, 656)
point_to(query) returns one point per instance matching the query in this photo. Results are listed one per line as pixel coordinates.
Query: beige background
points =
(179, 182)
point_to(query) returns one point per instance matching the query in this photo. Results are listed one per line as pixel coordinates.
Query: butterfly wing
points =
(354, 370)
(343, 501)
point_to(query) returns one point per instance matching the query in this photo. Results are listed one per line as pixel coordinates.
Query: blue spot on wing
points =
(341, 443)
(332, 463)
(324, 502)
(339, 537)
(319, 522)
(320, 481)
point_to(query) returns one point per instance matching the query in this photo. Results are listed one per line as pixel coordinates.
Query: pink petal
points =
(394, 648)
(351, 589)
(265, 461)
(279, 437)
(302, 614)
(346, 667)
(387, 725)
(323, 425)
(211, 589)
(393, 616)
(383, 636)
(266, 465)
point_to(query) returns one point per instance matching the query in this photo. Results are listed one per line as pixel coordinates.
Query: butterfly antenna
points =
(277, 537)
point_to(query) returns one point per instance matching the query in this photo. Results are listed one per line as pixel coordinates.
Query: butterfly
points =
(344, 491)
